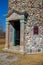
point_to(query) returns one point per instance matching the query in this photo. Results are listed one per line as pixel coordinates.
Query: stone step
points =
(15, 47)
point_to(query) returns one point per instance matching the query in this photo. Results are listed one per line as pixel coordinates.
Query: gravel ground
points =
(6, 58)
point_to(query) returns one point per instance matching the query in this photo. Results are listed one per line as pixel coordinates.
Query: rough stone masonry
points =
(33, 42)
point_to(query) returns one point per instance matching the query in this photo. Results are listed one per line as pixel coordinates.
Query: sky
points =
(3, 11)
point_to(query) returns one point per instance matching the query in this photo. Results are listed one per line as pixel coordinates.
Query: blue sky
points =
(3, 11)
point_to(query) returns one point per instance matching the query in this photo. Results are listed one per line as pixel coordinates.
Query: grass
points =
(2, 43)
(31, 59)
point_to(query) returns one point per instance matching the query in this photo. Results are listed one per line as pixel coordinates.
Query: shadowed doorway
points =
(16, 26)
(17, 32)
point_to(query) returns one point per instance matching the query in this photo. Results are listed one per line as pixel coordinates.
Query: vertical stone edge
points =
(21, 32)
(7, 35)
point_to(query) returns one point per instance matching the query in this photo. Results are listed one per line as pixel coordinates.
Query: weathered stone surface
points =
(33, 43)
(20, 5)
(11, 35)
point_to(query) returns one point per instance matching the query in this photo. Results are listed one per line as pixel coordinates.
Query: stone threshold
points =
(20, 51)
(14, 50)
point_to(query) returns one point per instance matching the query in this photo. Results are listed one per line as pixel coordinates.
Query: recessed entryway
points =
(17, 32)
(16, 29)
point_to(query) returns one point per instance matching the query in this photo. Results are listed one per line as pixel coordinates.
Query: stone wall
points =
(20, 5)
(33, 43)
